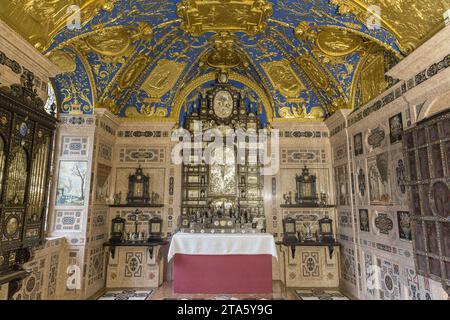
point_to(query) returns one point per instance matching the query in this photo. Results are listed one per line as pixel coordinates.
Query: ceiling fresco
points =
(295, 60)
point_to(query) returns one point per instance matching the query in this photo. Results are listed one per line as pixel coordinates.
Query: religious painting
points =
(396, 128)
(71, 183)
(223, 104)
(404, 225)
(364, 223)
(358, 144)
(379, 188)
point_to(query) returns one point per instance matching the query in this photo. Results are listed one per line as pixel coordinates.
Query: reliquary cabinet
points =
(26, 144)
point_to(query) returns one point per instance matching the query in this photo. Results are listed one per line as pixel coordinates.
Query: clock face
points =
(223, 104)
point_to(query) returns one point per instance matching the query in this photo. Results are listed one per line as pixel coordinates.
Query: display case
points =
(26, 144)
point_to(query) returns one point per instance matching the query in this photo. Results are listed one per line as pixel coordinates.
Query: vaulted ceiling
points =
(147, 59)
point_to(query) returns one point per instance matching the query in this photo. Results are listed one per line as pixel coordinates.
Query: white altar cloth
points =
(222, 244)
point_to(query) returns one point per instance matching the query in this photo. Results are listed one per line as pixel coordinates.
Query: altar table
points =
(222, 263)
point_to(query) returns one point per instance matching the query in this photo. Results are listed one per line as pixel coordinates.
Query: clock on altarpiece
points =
(138, 188)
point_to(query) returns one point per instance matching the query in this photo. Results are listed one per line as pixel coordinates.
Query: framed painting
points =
(71, 183)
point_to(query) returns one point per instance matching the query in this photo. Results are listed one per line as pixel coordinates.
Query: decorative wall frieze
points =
(337, 129)
(304, 134)
(142, 134)
(303, 156)
(77, 120)
(399, 91)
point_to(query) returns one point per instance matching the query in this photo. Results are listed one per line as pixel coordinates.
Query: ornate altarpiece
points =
(26, 144)
(229, 184)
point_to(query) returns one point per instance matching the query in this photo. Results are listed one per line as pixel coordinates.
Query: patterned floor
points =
(165, 292)
(129, 294)
(319, 294)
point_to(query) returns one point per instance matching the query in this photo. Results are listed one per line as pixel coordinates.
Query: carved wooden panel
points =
(427, 149)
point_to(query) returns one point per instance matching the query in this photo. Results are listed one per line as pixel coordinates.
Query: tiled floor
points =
(280, 292)
(320, 294)
(126, 294)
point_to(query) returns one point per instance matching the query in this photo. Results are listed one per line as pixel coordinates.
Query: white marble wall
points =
(381, 242)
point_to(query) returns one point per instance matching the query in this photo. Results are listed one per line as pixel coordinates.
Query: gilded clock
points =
(223, 104)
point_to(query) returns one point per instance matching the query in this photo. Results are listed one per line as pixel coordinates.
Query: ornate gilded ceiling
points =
(149, 59)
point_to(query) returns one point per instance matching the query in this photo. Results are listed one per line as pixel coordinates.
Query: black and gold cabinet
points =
(26, 144)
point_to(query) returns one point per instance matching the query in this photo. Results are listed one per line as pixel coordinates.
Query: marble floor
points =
(280, 292)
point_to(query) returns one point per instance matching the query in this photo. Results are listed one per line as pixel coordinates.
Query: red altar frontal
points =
(225, 263)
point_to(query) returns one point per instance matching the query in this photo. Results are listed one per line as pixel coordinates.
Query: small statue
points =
(287, 198)
(117, 198)
(246, 218)
(155, 198)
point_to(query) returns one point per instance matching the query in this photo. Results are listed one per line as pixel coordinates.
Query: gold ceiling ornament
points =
(224, 56)
(147, 112)
(64, 60)
(412, 22)
(316, 113)
(38, 21)
(314, 73)
(297, 112)
(109, 104)
(338, 43)
(162, 79)
(112, 43)
(283, 78)
(332, 41)
(200, 16)
(337, 104)
(372, 79)
(133, 71)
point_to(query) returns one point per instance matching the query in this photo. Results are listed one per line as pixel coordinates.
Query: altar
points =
(222, 263)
